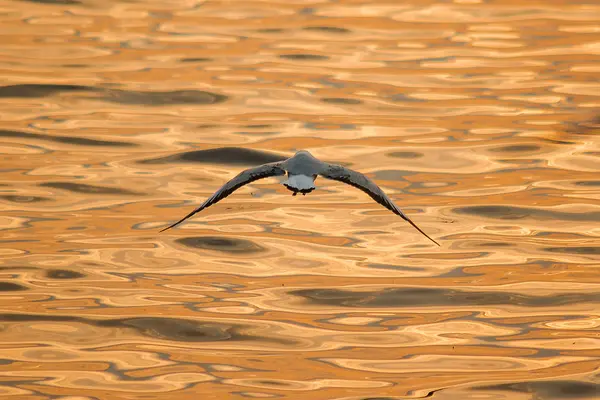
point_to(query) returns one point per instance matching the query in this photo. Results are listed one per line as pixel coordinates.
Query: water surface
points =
(480, 119)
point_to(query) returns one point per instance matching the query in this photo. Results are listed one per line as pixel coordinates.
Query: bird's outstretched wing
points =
(243, 178)
(358, 180)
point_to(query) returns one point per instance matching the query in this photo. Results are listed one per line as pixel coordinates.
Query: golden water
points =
(480, 119)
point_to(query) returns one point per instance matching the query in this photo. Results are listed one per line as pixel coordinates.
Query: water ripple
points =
(479, 119)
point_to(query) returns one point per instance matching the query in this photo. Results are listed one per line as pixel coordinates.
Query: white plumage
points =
(300, 183)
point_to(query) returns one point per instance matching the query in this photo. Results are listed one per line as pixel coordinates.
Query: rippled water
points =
(480, 119)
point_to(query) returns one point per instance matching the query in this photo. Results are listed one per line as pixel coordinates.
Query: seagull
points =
(302, 169)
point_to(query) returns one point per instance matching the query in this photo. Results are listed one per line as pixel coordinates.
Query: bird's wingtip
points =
(431, 239)
(167, 228)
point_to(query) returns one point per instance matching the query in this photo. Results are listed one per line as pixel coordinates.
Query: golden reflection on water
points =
(480, 119)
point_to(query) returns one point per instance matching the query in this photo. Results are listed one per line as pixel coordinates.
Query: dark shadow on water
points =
(494, 244)
(270, 30)
(587, 250)
(406, 154)
(340, 100)
(87, 189)
(588, 183)
(318, 126)
(513, 213)
(327, 29)
(163, 98)
(64, 139)
(591, 126)
(176, 329)
(392, 175)
(259, 126)
(517, 148)
(304, 57)
(179, 329)
(421, 297)
(392, 267)
(39, 90)
(11, 287)
(63, 274)
(557, 389)
(221, 155)
(459, 272)
(128, 97)
(195, 59)
(223, 244)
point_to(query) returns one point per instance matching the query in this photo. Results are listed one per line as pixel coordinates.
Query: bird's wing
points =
(358, 180)
(243, 178)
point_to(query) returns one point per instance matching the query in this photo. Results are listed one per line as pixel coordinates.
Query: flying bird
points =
(302, 169)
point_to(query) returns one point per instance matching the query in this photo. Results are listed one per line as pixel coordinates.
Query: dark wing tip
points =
(354, 178)
(167, 228)
(243, 178)
(183, 219)
(417, 228)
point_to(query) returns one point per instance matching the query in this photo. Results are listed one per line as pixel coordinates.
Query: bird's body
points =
(302, 169)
